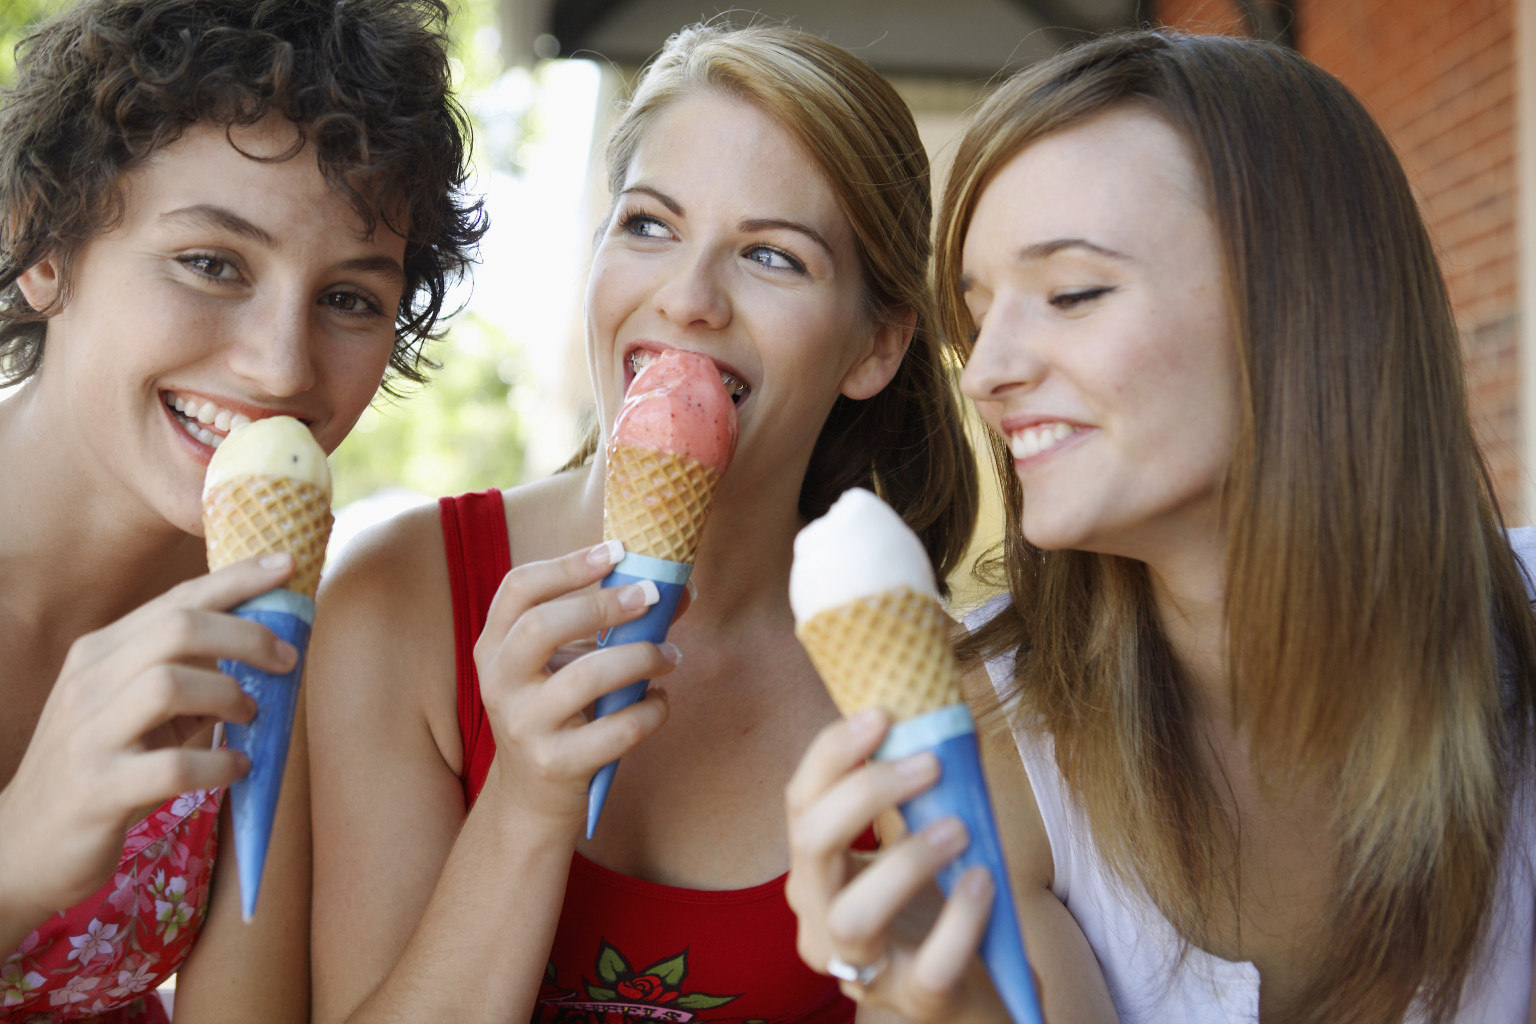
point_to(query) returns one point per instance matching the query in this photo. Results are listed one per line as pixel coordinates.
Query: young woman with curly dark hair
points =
(210, 210)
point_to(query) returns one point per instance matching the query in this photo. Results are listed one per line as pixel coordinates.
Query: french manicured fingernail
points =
(639, 595)
(609, 552)
(693, 590)
(866, 722)
(977, 883)
(917, 766)
(275, 560)
(947, 835)
(671, 653)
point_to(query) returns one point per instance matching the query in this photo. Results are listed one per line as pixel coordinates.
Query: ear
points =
(875, 368)
(40, 283)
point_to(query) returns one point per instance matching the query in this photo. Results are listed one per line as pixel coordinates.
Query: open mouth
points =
(737, 388)
(204, 421)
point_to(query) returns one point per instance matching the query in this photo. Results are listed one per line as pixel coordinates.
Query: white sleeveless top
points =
(1138, 948)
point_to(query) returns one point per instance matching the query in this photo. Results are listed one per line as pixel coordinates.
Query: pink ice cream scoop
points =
(677, 403)
(671, 443)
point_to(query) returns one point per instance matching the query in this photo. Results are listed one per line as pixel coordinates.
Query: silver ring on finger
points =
(861, 976)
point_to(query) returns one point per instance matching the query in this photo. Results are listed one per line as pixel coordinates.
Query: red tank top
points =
(625, 948)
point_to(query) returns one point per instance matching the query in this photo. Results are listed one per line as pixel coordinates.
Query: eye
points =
(777, 259)
(1068, 301)
(352, 303)
(207, 265)
(644, 226)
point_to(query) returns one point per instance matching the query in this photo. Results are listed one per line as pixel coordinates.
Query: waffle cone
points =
(257, 514)
(656, 501)
(889, 650)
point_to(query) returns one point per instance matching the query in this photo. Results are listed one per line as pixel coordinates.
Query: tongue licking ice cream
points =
(672, 442)
(867, 612)
(268, 488)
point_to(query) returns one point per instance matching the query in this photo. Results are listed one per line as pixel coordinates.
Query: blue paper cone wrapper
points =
(253, 799)
(961, 792)
(671, 579)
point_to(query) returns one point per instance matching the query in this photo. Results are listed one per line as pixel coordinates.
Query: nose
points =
(1001, 360)
(694, 294)
(274, 346)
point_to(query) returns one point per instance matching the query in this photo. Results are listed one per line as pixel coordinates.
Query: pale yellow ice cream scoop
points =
(268, 488)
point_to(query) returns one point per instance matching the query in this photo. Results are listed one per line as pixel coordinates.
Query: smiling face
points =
(1105, 351)
(232, 288)
(726, 239)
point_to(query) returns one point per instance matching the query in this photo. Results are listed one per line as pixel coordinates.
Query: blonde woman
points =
(1267, 654)
(770, 211)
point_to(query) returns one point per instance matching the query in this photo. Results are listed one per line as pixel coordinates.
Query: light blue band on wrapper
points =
(285, 601)
(659, 569)
(926, 732)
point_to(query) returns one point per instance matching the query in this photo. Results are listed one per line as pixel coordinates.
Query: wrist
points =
(526, 823)
(20, 913)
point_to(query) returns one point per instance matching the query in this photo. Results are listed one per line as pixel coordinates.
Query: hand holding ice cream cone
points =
(268, 489)
(867, 612)
(671, 444)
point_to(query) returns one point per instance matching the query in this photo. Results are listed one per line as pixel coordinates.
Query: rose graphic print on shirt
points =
(622, 993)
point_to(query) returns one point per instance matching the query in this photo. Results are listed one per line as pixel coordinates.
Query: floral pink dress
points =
(100, 962)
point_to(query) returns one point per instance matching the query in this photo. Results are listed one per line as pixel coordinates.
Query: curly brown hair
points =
(107, 83)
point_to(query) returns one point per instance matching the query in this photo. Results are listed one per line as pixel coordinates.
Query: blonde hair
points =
(906, 442)
(1381, 644)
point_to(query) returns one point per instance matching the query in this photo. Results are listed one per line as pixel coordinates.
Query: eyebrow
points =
(1045, 250)
(661, 197)
(748, 225)
(376, 265)
(777, 224)
(219, 217)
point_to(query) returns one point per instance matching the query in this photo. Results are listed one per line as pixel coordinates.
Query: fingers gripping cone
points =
(268, 489)
(867, 613)
(672, 442)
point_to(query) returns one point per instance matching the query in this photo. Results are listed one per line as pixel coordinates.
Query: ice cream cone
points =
(656, 501)
(671, 444)
(254, 515)
(268, 489)
(889, 650)
(867, 612)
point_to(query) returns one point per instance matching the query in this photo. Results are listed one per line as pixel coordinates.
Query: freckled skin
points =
(678, 404)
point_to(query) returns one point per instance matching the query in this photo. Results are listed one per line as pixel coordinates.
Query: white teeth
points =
(1026, 443)
(639, 359)
(198, 415)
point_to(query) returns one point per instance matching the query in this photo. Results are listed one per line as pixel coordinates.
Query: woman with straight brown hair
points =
(771, 212)
(1267, 655)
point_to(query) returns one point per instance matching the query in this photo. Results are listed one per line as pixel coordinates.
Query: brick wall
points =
(1440, 77)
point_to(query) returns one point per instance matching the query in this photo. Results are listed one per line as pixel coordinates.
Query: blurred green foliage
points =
(461, 431)
(15, 18)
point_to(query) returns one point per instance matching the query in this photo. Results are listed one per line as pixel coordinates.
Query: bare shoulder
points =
(384, 634)
(553, 516)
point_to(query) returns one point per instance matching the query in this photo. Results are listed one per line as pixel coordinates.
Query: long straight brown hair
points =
(1381, 646)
